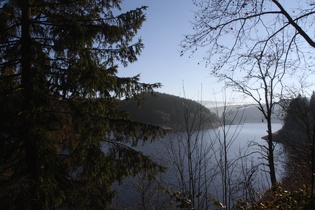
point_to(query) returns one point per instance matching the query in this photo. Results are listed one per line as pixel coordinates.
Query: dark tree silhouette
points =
(62, 136)
(254, 46)
(229, 29)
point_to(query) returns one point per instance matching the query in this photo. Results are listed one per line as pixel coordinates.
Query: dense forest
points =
(169, 111)
(297, 135)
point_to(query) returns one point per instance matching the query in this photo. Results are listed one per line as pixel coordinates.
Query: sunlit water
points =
(129, 193)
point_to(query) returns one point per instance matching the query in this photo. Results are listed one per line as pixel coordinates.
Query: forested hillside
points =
(170, 111)
(298, 122)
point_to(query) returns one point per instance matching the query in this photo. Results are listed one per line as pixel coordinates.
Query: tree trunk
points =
(28, 103)
(270, 154)
(312, 162)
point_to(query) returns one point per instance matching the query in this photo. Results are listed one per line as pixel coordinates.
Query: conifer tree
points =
(63, 141)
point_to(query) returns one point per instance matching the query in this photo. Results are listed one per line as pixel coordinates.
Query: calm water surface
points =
(243, 135)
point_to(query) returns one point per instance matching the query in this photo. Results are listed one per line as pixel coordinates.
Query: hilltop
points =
(169, 111)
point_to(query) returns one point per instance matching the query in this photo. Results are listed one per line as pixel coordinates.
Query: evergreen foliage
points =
(62, 137)
(169, 111)
(298, 122)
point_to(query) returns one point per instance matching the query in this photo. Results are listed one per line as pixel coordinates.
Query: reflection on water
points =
(133, 192)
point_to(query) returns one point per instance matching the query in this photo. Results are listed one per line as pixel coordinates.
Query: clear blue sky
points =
(167, 23)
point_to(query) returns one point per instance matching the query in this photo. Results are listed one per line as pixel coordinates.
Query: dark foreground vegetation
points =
(62, 137)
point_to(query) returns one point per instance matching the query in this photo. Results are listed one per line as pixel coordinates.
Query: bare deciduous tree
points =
(227, 162)
(190, 156)
(229, 29)
(263, 83)
(203, 161)
(251, 46)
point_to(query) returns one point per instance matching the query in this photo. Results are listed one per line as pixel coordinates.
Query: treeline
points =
(298, 124)
(170, 112)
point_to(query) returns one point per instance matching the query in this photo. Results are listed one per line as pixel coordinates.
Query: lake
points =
(244, 171)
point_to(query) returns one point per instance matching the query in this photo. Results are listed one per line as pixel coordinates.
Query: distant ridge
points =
(169, 111)
(214, 104)
(245, 113)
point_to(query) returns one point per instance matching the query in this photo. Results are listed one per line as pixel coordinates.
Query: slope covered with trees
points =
(169, 111)
(297, 135)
